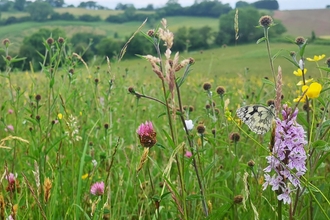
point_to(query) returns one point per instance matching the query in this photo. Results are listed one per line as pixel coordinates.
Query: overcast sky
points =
(284, 4)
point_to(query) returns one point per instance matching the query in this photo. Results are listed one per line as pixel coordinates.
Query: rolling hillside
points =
(303, 22)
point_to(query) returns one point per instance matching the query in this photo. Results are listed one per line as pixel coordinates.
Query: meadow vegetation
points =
(158, 137)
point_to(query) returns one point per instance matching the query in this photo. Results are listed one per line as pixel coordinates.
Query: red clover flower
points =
(288, 158)
(97, 188)
(147, 134)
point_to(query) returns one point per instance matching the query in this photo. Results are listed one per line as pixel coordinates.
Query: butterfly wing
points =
(257, 117)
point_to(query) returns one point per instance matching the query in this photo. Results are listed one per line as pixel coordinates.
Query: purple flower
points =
(10, 111)
(288, 159)
(97, 188)
(188, 154)
(147, 134)
(11, 178)
(10, 128)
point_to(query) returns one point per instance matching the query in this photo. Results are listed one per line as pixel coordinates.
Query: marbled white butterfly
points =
(259, 118)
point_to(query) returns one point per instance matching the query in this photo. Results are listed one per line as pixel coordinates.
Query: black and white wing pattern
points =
(259, 118)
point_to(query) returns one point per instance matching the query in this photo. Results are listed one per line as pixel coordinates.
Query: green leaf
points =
(319, 144)
(325, 68)
(261, 40)
(291, 61)
(267, 81)
(302, 49)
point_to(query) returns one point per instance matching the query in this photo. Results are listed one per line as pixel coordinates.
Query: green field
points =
(72, 125)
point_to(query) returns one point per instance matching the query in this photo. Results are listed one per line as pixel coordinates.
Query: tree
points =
(56, 3)
(108, 47)
(19, 5)
(247, 21)
(40, 11)
(242, 4)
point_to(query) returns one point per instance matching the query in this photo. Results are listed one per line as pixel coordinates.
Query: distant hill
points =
(303, 22)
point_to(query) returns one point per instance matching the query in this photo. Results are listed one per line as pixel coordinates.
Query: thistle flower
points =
(288, 159)
(147, 134)
(97, 188)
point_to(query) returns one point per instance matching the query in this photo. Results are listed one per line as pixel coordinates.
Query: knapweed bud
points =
(266, 21)
(328, 62)
(5, 42)
(106, 126)
(147, 134)
(220, 90)
(151, 33)
(300, 41)
(8, 58)
(60, 40)
(38, 97)
(270, 102)
(50, 41)
(131, 90)
(206, 86)
(200, 129)
(191, 60)
(238, 199)
(251, 163)
(292, 53)
(234, 137)
(191, 108)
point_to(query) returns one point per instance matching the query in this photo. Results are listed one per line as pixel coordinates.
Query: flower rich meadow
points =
(159, 138)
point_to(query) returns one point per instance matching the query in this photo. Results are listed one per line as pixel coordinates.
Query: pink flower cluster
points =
(288, 159)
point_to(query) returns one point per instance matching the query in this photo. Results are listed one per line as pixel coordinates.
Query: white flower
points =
(94, 162)
(301, 64)
(189, 124)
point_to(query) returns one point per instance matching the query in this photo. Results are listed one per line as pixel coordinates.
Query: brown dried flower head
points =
(300, 41)
(238, 199)
(266, 21)
(221, 90)
(50, 41)
(60, 40)
(207, 86)
(234, 137)
(200, 129)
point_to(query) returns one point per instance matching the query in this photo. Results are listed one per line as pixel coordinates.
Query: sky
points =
(284, 4)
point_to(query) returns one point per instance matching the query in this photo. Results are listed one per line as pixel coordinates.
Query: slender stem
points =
(201, 189)
(269, 54)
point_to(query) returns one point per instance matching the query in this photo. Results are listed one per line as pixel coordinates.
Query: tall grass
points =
(73, 124)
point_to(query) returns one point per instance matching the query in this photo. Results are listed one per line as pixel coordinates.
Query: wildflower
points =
(328, 61)
(200, 129)
(50, 41)
(97, 188)
(300, 99)
(6, 42)
(147, 134)
(300, 83)
(189, 124)
(299, 72)
(220, 90)
(234, 137)
(72, 129)
(238, 199)
(84, 176)
(13, 183)
(188, 154)
(206, 86)
(288, 159)
(266, 21)
(60, 40)
(10, 111)
(316, 58)
(94, 162)
(60, 116)
(10, 128)
(300, 41)
(38, 98)
(313, 91)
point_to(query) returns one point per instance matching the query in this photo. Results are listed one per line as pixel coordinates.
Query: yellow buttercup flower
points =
(84, 176)
(60, 116)
(299, 72)
(316, 58)
(300, 83)
(303, 99)
(313, 91)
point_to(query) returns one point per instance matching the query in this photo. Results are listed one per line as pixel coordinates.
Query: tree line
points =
(43, 10)
(89, 45)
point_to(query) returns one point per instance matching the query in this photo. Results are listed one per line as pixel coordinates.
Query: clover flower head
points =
(147, 134)
(188, 154)
(97, 188)
(288, 159)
